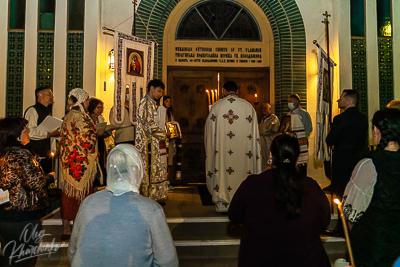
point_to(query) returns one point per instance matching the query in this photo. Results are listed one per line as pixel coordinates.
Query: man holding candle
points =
(232, 146)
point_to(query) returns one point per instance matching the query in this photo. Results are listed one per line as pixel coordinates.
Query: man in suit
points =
(349, 138)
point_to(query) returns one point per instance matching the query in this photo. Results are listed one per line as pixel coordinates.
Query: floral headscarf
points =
(81, 95)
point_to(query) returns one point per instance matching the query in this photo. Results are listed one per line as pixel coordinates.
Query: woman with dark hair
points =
(95, 109)
(23, 178)
(168, 105)
(371, 201)
(79, 159)
(282, 212)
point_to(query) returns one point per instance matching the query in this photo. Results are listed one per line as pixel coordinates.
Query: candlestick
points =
(212, 97)
(52, 161)
(346, 232)
(208, 96)
(52, 185)
(255, 100)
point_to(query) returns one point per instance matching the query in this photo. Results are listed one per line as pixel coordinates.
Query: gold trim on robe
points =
(155, 183)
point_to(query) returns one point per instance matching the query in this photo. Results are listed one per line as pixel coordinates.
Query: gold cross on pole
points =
(326, 15)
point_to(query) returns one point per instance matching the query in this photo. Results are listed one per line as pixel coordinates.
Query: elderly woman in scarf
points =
(78, 157)
(136, 232)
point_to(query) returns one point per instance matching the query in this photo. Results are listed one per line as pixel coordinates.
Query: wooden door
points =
(186, 87)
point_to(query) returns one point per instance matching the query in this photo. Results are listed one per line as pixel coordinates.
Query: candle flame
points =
(207, 90)
(255, 95)
(337, 201)
(52, 154)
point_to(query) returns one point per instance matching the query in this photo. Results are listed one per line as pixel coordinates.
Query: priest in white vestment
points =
(232, 145)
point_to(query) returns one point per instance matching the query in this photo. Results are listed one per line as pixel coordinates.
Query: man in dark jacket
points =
(349, 138)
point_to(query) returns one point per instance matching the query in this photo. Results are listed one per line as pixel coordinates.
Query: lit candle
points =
(346, 231)
(256, 98)
(52, 185)
(52, 161)
(218, 84)
(212, 97)
(208, 96)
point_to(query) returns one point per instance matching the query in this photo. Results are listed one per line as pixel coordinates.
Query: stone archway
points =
(289, 42)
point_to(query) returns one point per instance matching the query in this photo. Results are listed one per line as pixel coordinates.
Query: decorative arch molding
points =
(289, 43)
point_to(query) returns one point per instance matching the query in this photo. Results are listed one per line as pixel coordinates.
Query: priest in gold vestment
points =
(148, 137)
(232, 145)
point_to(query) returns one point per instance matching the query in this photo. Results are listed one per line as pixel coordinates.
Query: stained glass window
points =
(76, 12)
(357, 10)
(47, 10)
(218, 20)
(17, 15)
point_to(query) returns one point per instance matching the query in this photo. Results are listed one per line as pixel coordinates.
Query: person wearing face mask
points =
(125, 131)
(40, 140)
(268, 126)
(302, 127)
(148, 137)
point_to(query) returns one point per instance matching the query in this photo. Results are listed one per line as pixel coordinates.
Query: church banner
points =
(321, 131)
(134, 59)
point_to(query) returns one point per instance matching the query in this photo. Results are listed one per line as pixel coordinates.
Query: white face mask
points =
(290, 105)
(127, 97)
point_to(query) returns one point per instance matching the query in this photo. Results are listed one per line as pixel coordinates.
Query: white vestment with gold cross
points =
(232, 145)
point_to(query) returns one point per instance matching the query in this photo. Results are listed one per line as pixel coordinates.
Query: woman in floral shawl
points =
(78, 157)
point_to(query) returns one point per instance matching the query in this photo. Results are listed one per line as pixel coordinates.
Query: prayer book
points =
(49, 124)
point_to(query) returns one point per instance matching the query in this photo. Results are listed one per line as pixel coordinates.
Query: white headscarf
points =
(81, 95)
(124, 169)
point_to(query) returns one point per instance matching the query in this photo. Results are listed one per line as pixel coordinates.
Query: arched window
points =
(218, 20)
